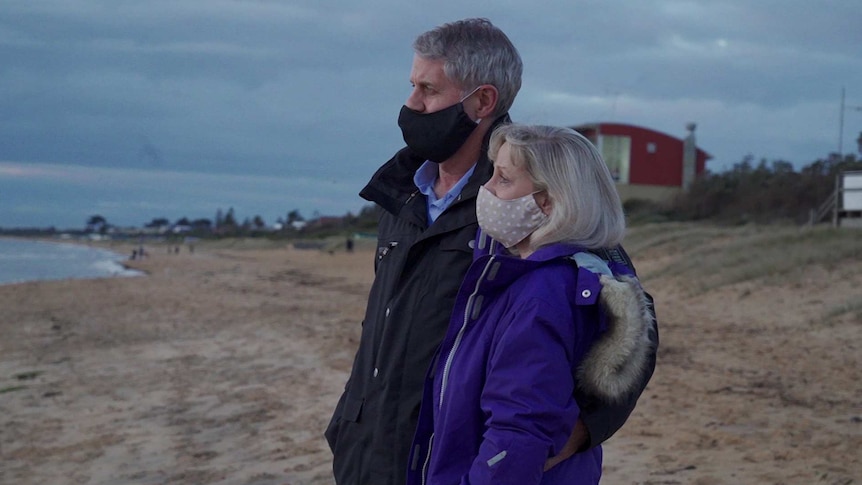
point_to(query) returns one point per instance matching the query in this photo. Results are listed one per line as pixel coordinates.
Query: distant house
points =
(647, 164)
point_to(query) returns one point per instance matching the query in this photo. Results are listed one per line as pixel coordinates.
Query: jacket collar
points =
(487, 246)
(514, 266)
(554, 251)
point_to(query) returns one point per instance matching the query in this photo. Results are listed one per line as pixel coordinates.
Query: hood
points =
(613, 366)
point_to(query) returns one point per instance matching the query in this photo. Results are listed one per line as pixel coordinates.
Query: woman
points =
(536, 316)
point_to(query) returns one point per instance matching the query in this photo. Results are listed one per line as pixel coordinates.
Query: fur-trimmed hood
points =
(613, 366)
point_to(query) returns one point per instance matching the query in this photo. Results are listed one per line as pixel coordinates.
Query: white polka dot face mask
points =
(508, 221)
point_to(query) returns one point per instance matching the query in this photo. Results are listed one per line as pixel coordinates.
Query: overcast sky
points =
(168, 108)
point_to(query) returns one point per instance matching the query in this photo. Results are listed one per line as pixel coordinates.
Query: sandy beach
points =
(223, 366)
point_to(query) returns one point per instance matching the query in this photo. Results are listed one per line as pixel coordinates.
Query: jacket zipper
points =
(427, 459)
(411, 197)
(451, 356)
(380, 255)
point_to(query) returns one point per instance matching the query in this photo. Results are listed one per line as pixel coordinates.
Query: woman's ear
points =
(544, 201)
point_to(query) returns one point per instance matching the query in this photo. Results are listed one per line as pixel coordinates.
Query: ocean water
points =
(23, 260)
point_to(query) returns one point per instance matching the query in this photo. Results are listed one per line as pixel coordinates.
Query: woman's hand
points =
(575, 442)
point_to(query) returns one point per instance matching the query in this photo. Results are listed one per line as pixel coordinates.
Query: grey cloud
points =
(312, 88)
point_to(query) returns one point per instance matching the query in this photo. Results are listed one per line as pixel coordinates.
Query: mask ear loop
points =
(471, 94)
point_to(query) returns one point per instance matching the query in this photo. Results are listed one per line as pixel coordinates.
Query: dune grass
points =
(711, 257)
(853, 307)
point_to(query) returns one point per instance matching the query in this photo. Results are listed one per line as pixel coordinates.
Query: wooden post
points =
(837, 194)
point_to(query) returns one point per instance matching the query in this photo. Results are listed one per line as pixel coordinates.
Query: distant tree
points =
(183, 222)
(229, 218)
(367, 218)
(158, 222)
(97, 223)
(219, 218)
(258, 222)
(766, 192)
(349, 219)
(294, 216)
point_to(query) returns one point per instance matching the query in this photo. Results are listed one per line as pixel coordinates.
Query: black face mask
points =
(436, 136)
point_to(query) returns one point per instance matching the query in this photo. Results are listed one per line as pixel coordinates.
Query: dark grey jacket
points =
(418, 271)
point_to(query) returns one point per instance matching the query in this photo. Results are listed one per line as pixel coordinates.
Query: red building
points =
(644, 162)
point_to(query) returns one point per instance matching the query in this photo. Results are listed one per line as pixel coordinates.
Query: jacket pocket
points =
(463, 241)
(347, 440)
(352, 409)
(347, 410)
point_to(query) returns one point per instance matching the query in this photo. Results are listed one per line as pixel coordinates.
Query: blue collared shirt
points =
(424, 180)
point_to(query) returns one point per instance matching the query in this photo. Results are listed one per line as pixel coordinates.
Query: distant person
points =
(349, 245)
(526, 327)
(465, 77)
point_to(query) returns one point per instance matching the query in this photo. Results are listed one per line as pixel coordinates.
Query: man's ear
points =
(487, 96)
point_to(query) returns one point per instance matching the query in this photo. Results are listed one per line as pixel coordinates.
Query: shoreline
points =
(36, 259)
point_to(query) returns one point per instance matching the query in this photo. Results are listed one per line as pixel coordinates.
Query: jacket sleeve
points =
(527, 396)
(603, 419)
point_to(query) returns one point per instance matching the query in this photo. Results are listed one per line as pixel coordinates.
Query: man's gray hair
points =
(475, 52)
(585, 206)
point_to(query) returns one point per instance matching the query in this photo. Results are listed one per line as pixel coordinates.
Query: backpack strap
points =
(594, 263)
(617, 258)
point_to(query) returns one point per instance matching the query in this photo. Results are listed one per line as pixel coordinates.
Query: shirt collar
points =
(425, 177)
(427, 174)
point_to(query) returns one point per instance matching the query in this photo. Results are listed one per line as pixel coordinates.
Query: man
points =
(465, 77)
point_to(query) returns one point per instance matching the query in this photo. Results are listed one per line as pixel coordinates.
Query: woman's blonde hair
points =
(585, 206)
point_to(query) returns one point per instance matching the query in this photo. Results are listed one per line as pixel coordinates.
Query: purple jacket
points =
(498, 399)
